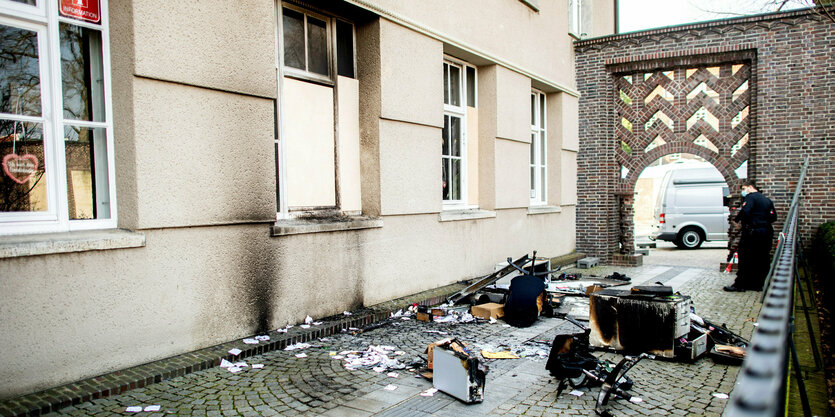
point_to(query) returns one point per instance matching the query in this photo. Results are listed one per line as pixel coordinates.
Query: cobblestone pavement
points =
(320, 385)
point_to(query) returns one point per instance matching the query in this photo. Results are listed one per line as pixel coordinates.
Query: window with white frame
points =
(56, 143)
(308, 46)
(538, 166)
(316, 48)
(459, 93)
(575, 17)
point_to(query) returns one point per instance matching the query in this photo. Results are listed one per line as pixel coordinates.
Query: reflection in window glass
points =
(455, 86)
(87, 176)
(345, 49)
(293, 24)
(82, 76)
(471, 87)
(20, 82)
(29, 2)
(22, 179)
(317, 46)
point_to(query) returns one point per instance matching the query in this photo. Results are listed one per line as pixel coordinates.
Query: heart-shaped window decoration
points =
(20, 168)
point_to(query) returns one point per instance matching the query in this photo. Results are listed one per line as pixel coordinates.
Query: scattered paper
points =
(152, 408)
(392, 374)
(493, 320)
(337, 357)
(289, 326)
(577, 393)
(720, 395)
(225, 364)
(281, 330)
(134, 409)
(263, 338)
(756, 324)
(240, 364)
(251, 341)
(428, 393)
(304, 326)
(346, 313)
(636, 400)
(390, 387)
(308, 320)
(317, 323)
(399, 313)
(400, 353)
(297, 346)
(257, 365)
(405, 318)
(301, 355)
(234, 369)
(353, 328)
(379, 369)
(505, 325)
(331, 353)
(235, 351)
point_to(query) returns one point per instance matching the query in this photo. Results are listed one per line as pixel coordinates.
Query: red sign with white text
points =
(87, 10)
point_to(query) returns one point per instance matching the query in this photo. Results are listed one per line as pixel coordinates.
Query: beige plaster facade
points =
(198, 103)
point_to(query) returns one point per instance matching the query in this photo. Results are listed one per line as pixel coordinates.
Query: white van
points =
(691, 207)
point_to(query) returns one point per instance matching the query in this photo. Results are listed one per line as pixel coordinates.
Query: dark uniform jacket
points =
(757, 212)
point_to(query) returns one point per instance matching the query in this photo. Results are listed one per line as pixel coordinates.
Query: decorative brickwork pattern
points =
(787, 62)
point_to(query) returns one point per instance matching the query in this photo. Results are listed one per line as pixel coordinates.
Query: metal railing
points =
(762, 383)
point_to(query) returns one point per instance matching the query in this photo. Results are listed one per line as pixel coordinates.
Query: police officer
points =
(756, 215)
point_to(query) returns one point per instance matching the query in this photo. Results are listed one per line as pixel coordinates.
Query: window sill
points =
(466, 214)
(320, 225)
(543, 209)
(80, 241)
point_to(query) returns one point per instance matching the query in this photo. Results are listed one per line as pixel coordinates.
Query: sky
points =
(647, 14)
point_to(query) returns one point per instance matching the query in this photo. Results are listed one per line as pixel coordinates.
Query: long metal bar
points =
(762, 379)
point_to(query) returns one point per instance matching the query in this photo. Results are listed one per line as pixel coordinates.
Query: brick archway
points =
(704, 110)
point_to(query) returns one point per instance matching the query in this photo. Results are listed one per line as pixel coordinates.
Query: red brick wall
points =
(791, 116)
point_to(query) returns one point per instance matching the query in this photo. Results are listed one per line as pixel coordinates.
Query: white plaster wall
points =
(512, 174)
(472, 156)
(410, 168)
(554, 143)
(507, 29)
(513, 97)
(201, 156)
(426, 253)
(211, 43)
(309, 144)
(411, 79)
(570, 122)
(348, 144)
(569, 175)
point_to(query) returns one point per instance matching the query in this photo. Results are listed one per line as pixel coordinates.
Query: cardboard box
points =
(488, 311)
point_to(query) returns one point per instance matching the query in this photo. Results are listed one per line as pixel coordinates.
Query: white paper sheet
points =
(235, 351)
(152, 408)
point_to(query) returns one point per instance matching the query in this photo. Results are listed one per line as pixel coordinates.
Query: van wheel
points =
(689, 238)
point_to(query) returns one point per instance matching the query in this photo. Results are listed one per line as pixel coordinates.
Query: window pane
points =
(20, 81)
(542, 184)
(471, 87)
(454, 86)
(82, 76)
(445, 145)
(533, 148)
(87, 177)
(22, 179)
(533, 182)
(455, 136)
(455, 181)
(293, 27)
(345, 49)
(317, 46)
(446, 83)
(542, 148)
(541, 111)
(30, 2)
(533, 109)
(444, 178)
